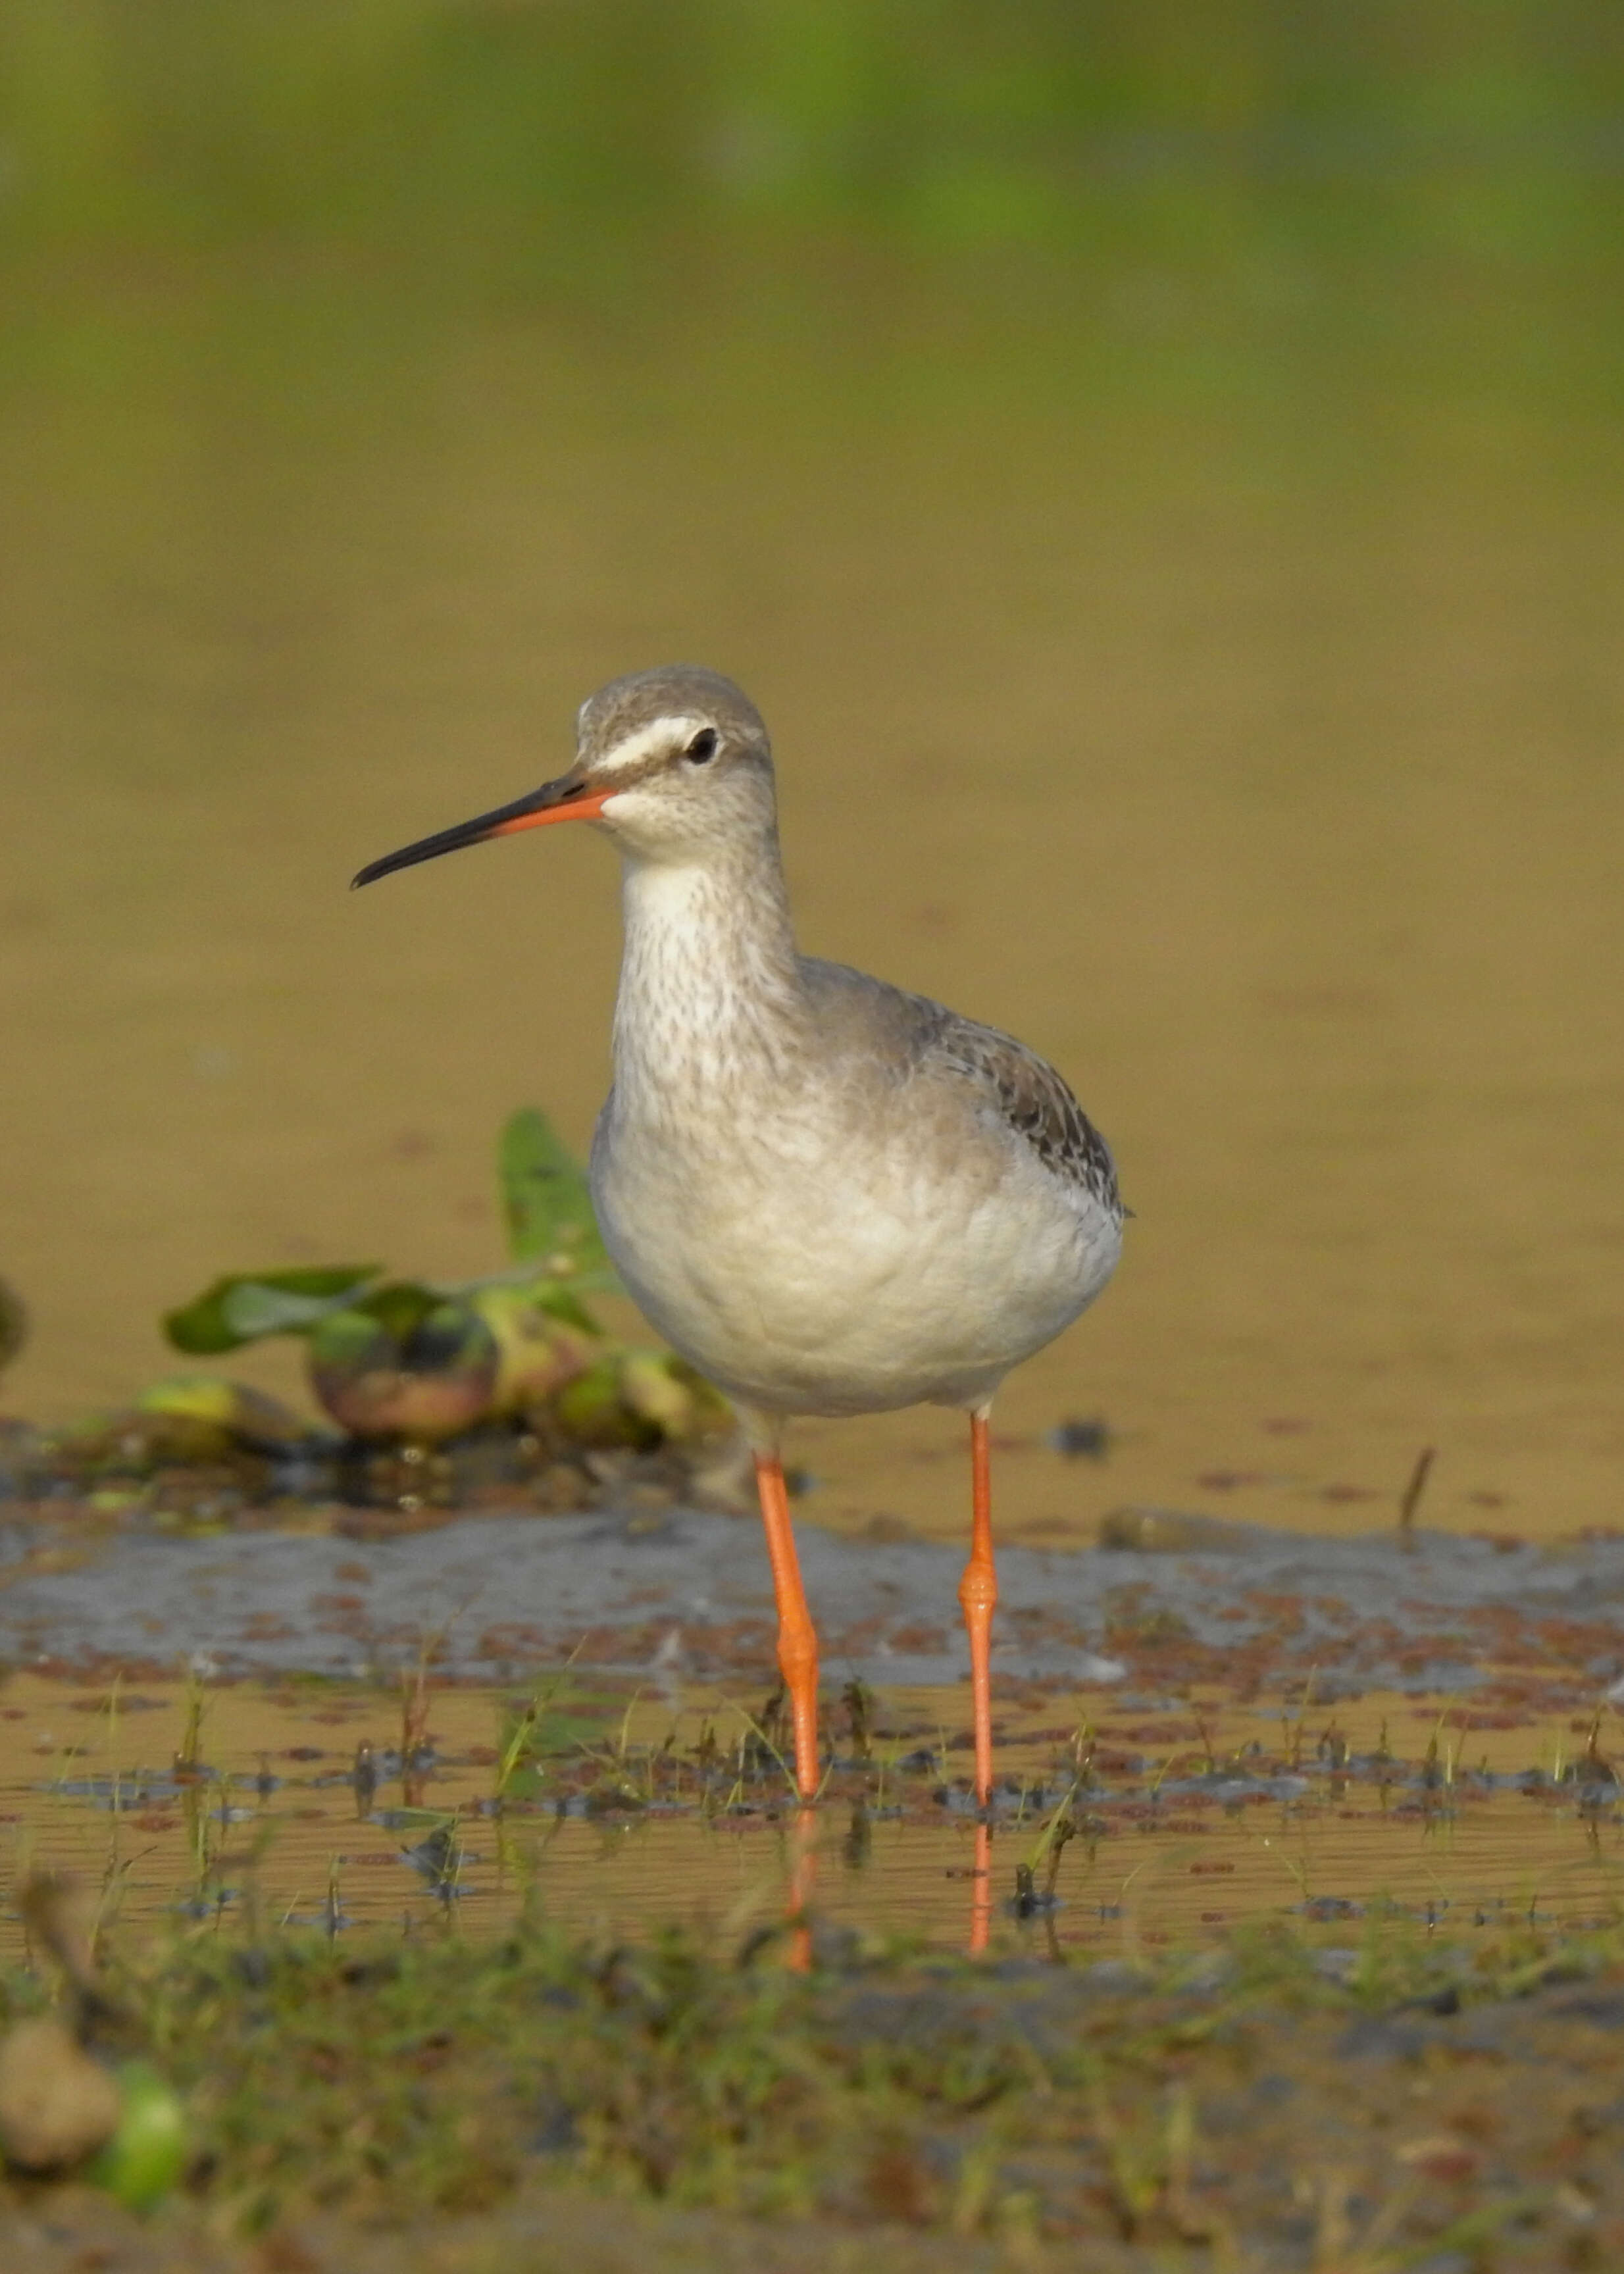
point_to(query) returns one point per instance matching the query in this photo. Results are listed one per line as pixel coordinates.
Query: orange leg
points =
(980, 1891)
(797, 1641)
(802, 1888)
(978, 1592)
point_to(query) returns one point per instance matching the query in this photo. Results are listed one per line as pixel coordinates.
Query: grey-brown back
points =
(913, 1033)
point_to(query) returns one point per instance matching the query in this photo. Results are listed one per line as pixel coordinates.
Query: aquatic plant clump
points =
(439, 1397)
(405, 1359)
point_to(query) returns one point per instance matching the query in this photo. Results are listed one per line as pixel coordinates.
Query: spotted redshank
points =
(829, 1196)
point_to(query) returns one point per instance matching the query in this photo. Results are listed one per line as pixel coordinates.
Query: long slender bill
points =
(554, 801)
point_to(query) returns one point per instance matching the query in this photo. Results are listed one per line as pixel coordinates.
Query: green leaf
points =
(400, 1306)
(244, 1305)
(349, 1338)
(546, 1201)
(146, 2155)
(562, 1302)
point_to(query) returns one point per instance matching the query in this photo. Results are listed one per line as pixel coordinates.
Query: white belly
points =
(808, 1273)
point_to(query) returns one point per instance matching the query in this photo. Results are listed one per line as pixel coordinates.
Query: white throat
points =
(709, 987)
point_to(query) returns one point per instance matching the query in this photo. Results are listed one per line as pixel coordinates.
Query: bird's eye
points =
(701, 749)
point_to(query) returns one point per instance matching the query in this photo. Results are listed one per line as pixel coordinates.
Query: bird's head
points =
(673, 762)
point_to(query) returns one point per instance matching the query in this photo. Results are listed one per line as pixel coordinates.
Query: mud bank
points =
(686, 1594)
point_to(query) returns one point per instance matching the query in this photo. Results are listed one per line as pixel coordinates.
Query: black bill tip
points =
(554, 801)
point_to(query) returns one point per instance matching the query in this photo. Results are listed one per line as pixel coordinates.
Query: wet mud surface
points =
(675, 1594)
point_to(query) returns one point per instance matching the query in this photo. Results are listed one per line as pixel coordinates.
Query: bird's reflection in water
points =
(856, 1853)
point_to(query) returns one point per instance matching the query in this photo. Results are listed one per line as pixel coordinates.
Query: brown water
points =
(1253, 754)
(1191, 1819)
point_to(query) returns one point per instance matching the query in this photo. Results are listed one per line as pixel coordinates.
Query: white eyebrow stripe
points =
(659, 735)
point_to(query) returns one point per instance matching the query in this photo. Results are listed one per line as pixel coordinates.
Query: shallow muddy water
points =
(290, 1803)
(1247, 744)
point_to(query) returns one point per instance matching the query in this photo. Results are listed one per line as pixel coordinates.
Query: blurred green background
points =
(1157, 466)
(542, 131)
(1241, 196)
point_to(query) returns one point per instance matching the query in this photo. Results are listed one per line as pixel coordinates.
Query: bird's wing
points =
(1033, 1101)
(915, 1035)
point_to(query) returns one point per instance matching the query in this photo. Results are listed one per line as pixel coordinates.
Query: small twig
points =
(1413, 1491)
